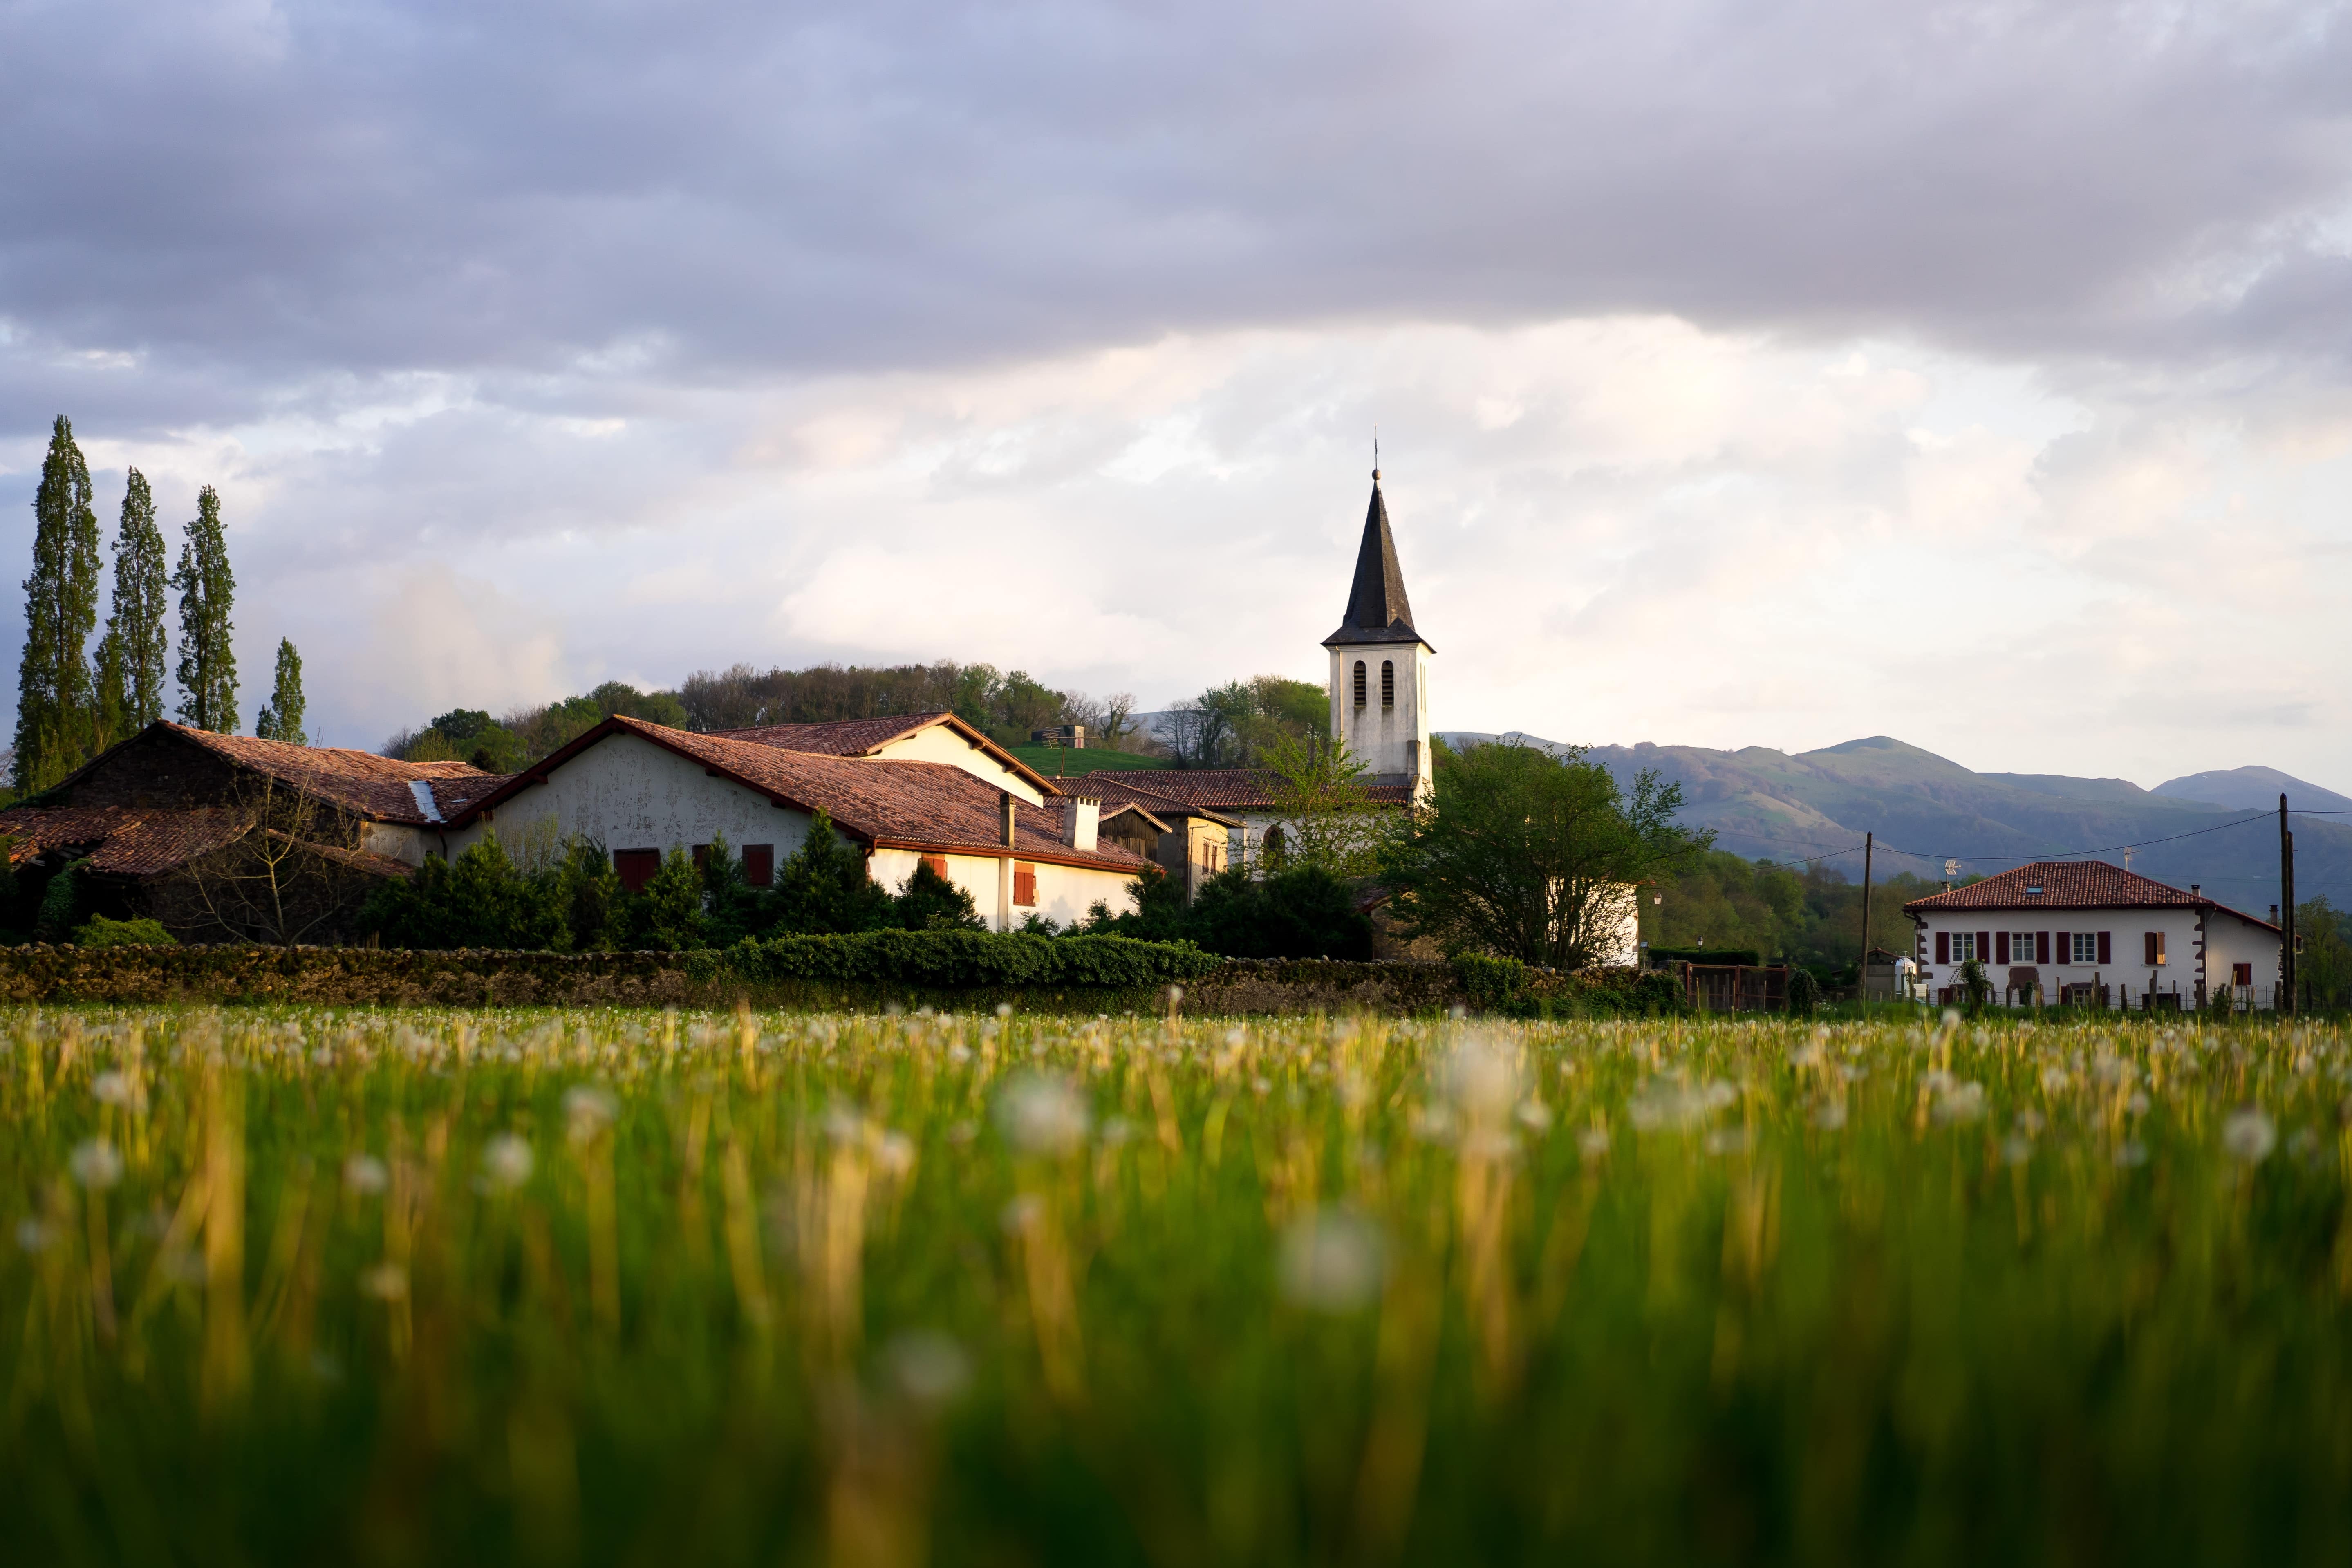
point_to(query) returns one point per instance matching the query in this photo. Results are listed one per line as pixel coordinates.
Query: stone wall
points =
(350, 976)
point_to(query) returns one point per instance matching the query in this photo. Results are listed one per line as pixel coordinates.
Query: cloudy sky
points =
(1745, 374)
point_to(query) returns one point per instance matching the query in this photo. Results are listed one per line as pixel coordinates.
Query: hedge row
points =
(960, 958)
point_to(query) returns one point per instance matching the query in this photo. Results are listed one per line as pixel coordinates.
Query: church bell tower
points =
(1380, 664)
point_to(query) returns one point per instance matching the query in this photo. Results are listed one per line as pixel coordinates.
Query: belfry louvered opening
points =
(1388, 683)
(1360, 683)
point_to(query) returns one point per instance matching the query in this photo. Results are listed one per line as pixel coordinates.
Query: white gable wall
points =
(941, 744)
(628, 793)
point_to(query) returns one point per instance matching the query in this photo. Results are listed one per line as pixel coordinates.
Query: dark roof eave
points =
(1358, 636)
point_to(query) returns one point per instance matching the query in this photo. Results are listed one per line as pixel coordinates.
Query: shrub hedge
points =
(933, 958)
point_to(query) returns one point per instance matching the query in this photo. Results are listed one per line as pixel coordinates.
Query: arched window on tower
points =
(1388, 683)
(1360, 683)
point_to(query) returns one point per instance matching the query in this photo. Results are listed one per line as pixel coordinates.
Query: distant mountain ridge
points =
(1927, 810)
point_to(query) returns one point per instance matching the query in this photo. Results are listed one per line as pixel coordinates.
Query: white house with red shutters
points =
(2086, 932)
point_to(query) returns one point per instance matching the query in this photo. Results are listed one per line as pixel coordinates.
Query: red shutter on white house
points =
(636, 866)
(2106, 949)
(1984, 947)
(2065, 947)
(939, 865)
(2041, 947)
(1943, 947)
(760, 865)
(2001, 947)
(1024, 885)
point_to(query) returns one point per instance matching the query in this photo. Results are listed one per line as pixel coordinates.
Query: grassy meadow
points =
(377, 1287)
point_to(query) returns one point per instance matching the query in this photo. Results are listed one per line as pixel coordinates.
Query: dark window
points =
(636, 866)
(760, 865)
(1025, 884)
(1388, 684)
(2241, 974)
(701, 854)
(2152, 949)
(1360, 683)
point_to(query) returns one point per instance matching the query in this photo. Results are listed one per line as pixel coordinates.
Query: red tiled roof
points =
(931, 807)
(2071, 885)
(864, 737)
(1128, 808)
(1228, 789)
(374, 786)
(1119, 792)
(123, 840)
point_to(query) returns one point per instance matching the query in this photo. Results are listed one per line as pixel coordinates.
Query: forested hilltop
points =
(1226, 726)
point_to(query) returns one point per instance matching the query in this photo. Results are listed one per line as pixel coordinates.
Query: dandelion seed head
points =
(588, 1111)
(928, 1366)
(506, 1161)
(366, 1173)
(1534, 1115)
(1332, 1261)
(2247, 1135)
(386, 1281)
(119, 1089)
(95, 1164)
(1042, 1115)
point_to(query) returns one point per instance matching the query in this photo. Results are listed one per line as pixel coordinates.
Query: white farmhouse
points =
(926, 787)
(2087, 933)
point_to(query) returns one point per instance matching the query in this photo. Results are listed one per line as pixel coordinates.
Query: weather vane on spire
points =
(1376, 450)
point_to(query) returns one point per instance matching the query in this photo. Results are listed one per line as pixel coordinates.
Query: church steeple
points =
(1378, 610)
(1380, 664)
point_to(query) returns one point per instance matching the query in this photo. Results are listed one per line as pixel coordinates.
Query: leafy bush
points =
(928, 902)
(969, 958)
(99, 932)
(1302, 913)
(1804, 994)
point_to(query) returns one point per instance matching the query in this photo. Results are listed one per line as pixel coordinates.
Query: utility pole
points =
(1867, 840)
(2286, 911)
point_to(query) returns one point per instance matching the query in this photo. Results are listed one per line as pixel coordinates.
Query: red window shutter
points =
(2001, 947)
(1984, 947)
(636, 866)
(2041, 947)
(701, 854)
(1024, 885)
(2147, 948)
(1943, 947)
(760, 865)
(2106, 949)
(938, 863)
(2065, 947)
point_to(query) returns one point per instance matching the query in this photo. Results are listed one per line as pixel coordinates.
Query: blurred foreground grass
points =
(427, 1288)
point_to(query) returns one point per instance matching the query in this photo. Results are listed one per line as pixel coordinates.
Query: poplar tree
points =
(133, 654)
(281, 718)
(53, 683)
(207, 592)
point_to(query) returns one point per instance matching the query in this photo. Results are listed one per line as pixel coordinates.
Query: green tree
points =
(1302, 912)
(54, 709)
(1528, 856)
(135, 646)
(280, 717)
(666, 913)
(928, 902)
(1158, 914)
(208, 595)
(1328, 818)
(825, 887)
(590, 897)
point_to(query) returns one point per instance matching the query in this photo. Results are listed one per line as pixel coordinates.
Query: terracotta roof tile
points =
(1118, 791)
(931, 807)
(374, 786)
(123, 840)
(1227, 789)
(864, 737)
(2070, 885)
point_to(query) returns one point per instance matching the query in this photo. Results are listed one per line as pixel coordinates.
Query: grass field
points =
(425, 1287)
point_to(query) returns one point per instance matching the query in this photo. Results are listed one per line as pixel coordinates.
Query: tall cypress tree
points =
(135, 650)
(207, 593)
(281, 718)
(53, 684)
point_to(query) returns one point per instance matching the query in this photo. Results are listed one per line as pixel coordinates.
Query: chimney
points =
(2274, 914)
(1005, 795)
(2194, 890)
(1081, 822)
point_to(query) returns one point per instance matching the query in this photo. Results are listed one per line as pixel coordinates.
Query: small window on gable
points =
(1388, 683)
(760, 865)
(1360, 683)
(1025, 884)
(636, 866)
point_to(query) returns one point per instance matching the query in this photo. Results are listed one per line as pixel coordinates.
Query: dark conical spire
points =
(1378, 610)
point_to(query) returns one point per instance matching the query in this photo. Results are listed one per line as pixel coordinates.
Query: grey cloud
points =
(739, 191)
